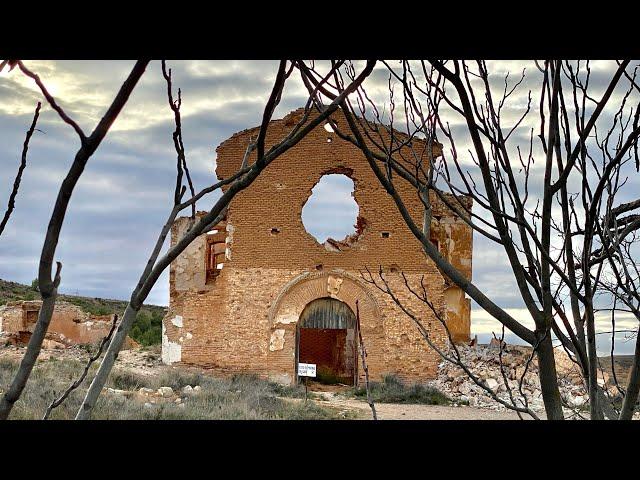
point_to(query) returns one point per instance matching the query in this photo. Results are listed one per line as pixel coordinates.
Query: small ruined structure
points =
(69, 324)
(259, 294)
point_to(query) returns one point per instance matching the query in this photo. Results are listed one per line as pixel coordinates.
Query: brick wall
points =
(245, 319)
(67, 321)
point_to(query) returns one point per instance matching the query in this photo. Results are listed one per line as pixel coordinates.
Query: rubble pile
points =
(153, 397)
(55, 341)
(52, 340)
(484, 362)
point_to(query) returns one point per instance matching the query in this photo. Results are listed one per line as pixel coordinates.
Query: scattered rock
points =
(147, 391)
(52, 344)
(492, 383)
(188, 390)
(115, 391)
(165, 391)
(577, 401)
(518, 363)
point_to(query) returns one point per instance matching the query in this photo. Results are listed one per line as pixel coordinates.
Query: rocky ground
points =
(145, 361)
(510, 371)
(141, 388)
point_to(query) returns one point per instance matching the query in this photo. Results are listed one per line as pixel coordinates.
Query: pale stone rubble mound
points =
(484, 362)
(153, 397)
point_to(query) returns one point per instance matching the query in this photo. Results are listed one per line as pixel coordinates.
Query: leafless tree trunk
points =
(58, 401)
(47, 285)
(240, 181)
(517, 209)
(618, 273)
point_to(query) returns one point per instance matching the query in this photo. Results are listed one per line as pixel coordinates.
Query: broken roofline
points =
(464, 199)
(300, 111)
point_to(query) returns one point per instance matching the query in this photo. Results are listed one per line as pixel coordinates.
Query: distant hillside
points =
(146, 330)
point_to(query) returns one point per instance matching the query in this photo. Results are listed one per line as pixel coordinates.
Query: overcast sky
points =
(123, 197)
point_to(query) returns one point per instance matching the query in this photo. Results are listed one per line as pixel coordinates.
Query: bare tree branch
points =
(23, 164)
(60, 399)
(47, 286)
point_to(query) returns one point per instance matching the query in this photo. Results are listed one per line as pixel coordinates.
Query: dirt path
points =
(392, 411)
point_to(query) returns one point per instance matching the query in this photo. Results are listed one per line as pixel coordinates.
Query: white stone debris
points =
(115, 391)
(165, 391)
(484, 362)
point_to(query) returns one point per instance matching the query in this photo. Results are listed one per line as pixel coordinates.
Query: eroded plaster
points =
(277, 340)
(171, 351)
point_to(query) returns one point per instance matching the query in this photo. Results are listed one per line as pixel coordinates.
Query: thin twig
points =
(363, 356)
(23, 164)
(58, 401)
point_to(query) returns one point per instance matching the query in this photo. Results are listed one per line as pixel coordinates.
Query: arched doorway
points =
(326, 336)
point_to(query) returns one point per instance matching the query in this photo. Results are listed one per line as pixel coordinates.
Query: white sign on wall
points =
(306, 369)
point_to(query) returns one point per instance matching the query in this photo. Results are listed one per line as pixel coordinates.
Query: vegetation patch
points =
(236, 398)
(326, 376)
(394, 390)
(147, 327)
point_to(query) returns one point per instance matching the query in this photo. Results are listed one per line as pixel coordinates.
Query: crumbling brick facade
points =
(69, 324)
(244, 317)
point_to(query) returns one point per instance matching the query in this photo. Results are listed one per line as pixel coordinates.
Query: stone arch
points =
(338, 284)
(327, 313)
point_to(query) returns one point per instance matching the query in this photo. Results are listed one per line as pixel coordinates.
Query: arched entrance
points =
(326, 336)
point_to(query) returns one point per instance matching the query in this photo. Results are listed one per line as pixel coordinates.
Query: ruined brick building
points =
(70, 325)
(258, 293)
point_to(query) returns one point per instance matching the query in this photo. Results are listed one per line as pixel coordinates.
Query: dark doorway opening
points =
(327, 338)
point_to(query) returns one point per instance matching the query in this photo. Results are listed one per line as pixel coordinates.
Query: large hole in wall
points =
(330, 214)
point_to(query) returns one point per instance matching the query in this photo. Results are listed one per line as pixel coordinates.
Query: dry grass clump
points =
(394, 390)
(238, 398)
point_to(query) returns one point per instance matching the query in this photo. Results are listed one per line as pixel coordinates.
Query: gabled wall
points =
(245, 320)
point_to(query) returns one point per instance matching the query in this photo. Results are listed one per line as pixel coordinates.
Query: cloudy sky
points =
(125, 193)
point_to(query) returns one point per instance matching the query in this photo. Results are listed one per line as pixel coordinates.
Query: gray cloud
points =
(125, 194)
